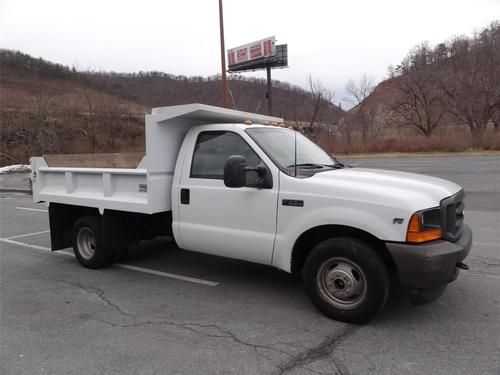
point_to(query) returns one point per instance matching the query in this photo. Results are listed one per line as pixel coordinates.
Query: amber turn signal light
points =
(417, 234)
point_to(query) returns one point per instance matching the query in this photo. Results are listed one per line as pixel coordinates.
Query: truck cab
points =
(245, 186)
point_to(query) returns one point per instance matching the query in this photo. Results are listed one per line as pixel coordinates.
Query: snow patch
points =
(16, 168)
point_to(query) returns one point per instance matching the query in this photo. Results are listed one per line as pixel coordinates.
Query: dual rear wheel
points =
(88, 244)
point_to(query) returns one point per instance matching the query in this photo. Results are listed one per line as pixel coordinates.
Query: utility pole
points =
(223, 57)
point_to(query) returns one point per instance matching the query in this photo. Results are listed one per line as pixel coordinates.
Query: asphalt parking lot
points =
(168, 311)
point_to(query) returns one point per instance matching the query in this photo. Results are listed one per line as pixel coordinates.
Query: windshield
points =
(279, 145)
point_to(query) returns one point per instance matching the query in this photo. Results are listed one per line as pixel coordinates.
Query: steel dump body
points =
(143, 189)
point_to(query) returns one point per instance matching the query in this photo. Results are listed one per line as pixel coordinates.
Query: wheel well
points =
(309, 239)
(120, 228)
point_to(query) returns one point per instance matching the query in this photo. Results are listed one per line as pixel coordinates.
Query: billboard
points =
(247, 53)
(279, 60)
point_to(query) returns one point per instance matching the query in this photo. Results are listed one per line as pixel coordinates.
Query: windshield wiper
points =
(342, 165)
(317, 165)
(307, 165)
(336, 165)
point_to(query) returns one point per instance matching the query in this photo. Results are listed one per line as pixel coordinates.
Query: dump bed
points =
(129, 182)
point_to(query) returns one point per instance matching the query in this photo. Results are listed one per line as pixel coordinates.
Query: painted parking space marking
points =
(12, 242)
(31, 209)
(167, 274)
(119, 265)
(28, 234)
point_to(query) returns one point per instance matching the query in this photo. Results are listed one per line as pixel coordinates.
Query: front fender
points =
(378, 223)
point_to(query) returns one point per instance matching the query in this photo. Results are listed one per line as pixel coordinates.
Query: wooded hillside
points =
(443, 97)
(52, 108)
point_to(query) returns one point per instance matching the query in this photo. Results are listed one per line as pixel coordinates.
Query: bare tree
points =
(470, 80)
(322, 97)
(358, 91)
(419, 103)
(343, 126)
(111, 118)
(322, 102)
(41, 106)
(40, 120)
(91, 109)
(496, 120)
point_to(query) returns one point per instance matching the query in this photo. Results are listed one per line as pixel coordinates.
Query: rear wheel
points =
(87, 243)
(346, 280)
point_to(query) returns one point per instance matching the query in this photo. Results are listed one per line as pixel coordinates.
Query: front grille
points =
(452, 216)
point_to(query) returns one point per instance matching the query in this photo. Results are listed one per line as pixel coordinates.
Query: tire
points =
(346, 280)
(87, 243)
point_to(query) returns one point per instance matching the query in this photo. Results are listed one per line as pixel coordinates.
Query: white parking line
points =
(29, 234)
(166, 274)
(7, 240)
(31, 209)
(119, 265)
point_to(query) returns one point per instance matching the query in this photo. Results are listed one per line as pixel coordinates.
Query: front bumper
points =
(430, 265)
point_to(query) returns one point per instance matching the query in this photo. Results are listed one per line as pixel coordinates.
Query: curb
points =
(14, 190)
(416, 154)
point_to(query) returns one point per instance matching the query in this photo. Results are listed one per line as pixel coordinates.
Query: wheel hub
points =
(86, 243)
(342, 283)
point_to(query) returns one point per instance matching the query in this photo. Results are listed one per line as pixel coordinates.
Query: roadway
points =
(169, 311)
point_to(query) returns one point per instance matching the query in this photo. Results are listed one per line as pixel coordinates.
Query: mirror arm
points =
(261, 171)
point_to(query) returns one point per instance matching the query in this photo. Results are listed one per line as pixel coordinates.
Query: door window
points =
(212, 150)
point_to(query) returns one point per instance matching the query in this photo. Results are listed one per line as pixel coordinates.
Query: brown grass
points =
(458, 140)
(23, 135)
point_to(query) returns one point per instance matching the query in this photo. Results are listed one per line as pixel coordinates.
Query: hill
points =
(51, 108)
(444, 97)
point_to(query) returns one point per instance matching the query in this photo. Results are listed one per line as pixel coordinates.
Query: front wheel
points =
(87, 243)
(346, 280)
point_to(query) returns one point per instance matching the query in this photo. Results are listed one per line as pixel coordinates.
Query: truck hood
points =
(381, 186)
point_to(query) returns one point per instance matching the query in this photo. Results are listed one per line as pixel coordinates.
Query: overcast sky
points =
(329, 39)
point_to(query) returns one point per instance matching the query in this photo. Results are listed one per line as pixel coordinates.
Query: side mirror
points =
(235, 174)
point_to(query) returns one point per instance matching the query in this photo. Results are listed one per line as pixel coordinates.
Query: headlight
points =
(424, 226)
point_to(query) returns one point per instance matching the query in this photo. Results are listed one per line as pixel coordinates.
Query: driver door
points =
(231, 222)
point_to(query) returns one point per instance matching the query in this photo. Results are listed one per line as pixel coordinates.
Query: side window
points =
(212, 150)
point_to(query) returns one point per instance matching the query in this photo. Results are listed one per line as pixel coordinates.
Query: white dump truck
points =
(230, 183)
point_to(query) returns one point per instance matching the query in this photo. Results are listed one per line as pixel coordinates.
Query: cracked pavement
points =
(59, 318)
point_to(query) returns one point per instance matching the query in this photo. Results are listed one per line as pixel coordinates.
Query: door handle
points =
(184, 196)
